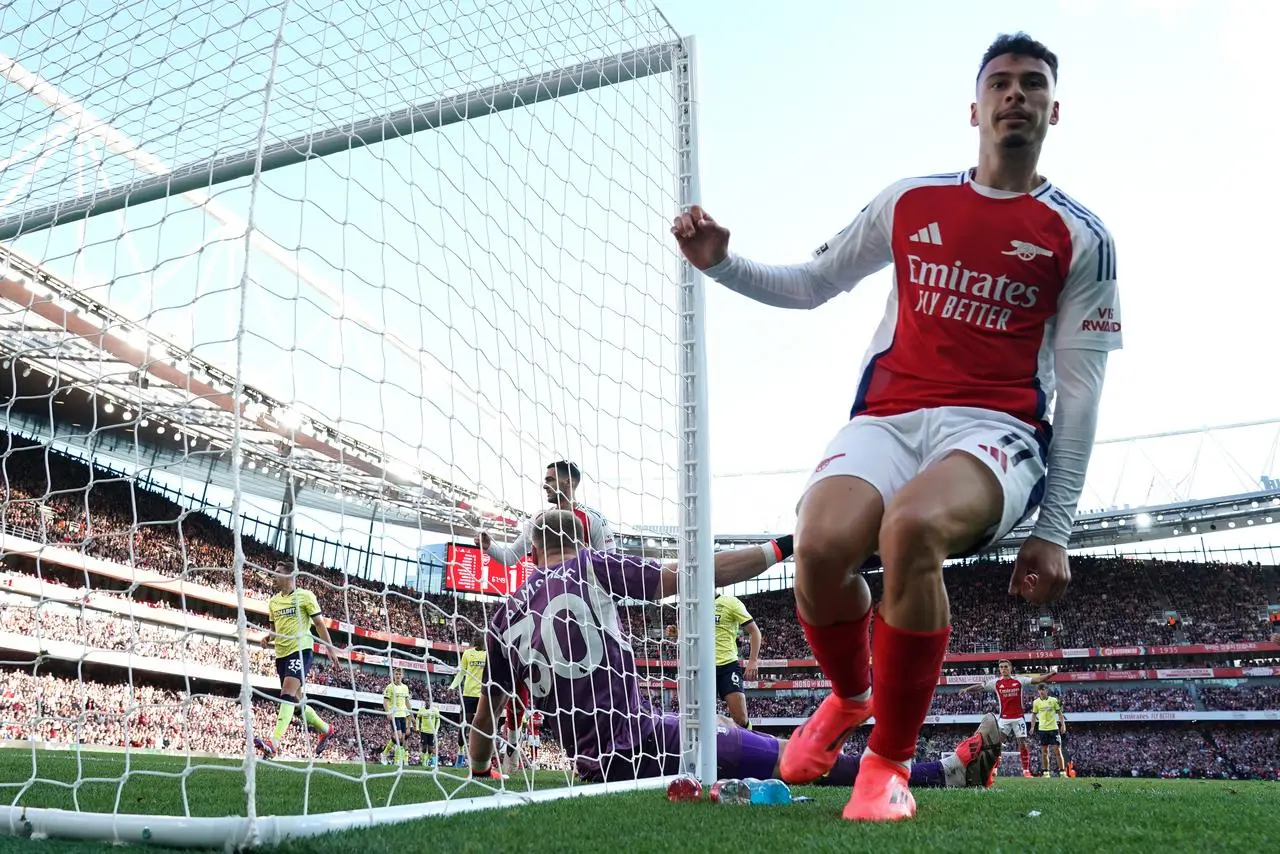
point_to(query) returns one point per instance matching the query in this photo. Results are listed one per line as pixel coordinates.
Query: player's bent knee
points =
(915, 535)
(837, 526)
(838, 521)
(944, 511)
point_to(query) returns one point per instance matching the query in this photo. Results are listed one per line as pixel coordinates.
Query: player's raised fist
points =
(1041, 572)
(702, 240)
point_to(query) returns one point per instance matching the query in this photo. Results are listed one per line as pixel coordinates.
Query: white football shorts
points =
(888, 451)
(1013, 727)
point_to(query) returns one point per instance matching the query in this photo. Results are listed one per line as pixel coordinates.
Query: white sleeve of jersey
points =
(1024, 681)
(1089, 306)
(989, 685)
(858, 250)
(510, 555)
(1087, 328)
(1075, 423)
(601, 535)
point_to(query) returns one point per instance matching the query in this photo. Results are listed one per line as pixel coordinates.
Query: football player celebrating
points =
(1004, 296)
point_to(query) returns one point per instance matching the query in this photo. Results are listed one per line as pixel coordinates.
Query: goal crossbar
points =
(583, 77)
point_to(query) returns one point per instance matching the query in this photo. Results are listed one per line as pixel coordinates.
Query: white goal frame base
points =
(235, 833)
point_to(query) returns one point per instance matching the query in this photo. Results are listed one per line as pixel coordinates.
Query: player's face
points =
(555, 487)
(1005, 670)
(1015, 105)
(283, 579)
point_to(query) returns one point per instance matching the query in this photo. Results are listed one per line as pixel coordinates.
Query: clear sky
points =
(525, 258)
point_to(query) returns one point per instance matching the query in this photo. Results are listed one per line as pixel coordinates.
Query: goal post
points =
(294, 305)
(697, 583)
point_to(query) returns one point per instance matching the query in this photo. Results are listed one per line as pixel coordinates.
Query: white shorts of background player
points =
(1012, 728)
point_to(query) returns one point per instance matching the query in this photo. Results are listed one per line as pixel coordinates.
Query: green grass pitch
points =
(1111, 815)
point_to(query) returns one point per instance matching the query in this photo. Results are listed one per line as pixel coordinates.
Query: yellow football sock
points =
(283, 716)
(313, 719)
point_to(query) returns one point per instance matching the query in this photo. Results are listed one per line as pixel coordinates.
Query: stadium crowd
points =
(1173, 698)
(1113, 601)
(102, 630)
(65, 711)
(98, 630)
(48, 496)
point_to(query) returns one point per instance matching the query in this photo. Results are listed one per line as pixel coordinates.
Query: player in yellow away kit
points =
(732, 617)
(294, 614)
(470, 677)
(427, 722)
(1051, 724)
(395, 702)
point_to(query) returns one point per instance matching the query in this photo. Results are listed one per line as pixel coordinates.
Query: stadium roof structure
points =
(112, 376)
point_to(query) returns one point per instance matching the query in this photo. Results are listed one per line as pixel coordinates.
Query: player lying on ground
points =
(294, 614)
(1005, 290)
(1008, 690)
(560, 634)
(561, 488)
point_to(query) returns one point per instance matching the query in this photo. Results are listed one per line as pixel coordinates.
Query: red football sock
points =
(907, 668)
(1024, 753)
(843, 651)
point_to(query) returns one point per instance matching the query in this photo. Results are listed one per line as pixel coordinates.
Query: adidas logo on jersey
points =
(929, 234)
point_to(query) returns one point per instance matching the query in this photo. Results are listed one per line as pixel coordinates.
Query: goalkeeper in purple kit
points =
(560, 634)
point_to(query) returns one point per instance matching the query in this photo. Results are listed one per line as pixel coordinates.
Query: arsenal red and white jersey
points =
(1009, 692)
(599, 534)
(987, 284)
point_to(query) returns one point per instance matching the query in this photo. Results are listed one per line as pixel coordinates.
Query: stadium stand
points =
(1127, 615)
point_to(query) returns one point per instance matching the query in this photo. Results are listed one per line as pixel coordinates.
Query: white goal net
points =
(298, 298)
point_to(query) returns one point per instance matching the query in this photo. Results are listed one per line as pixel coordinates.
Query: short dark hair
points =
(564, 468)
(558, 531)
(1023, 45)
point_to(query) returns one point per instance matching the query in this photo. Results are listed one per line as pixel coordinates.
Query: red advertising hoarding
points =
(469, 570)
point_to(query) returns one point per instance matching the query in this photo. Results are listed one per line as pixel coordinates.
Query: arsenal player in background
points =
(1008, 691)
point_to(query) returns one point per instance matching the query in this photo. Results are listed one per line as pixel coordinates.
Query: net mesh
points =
(344, 366)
